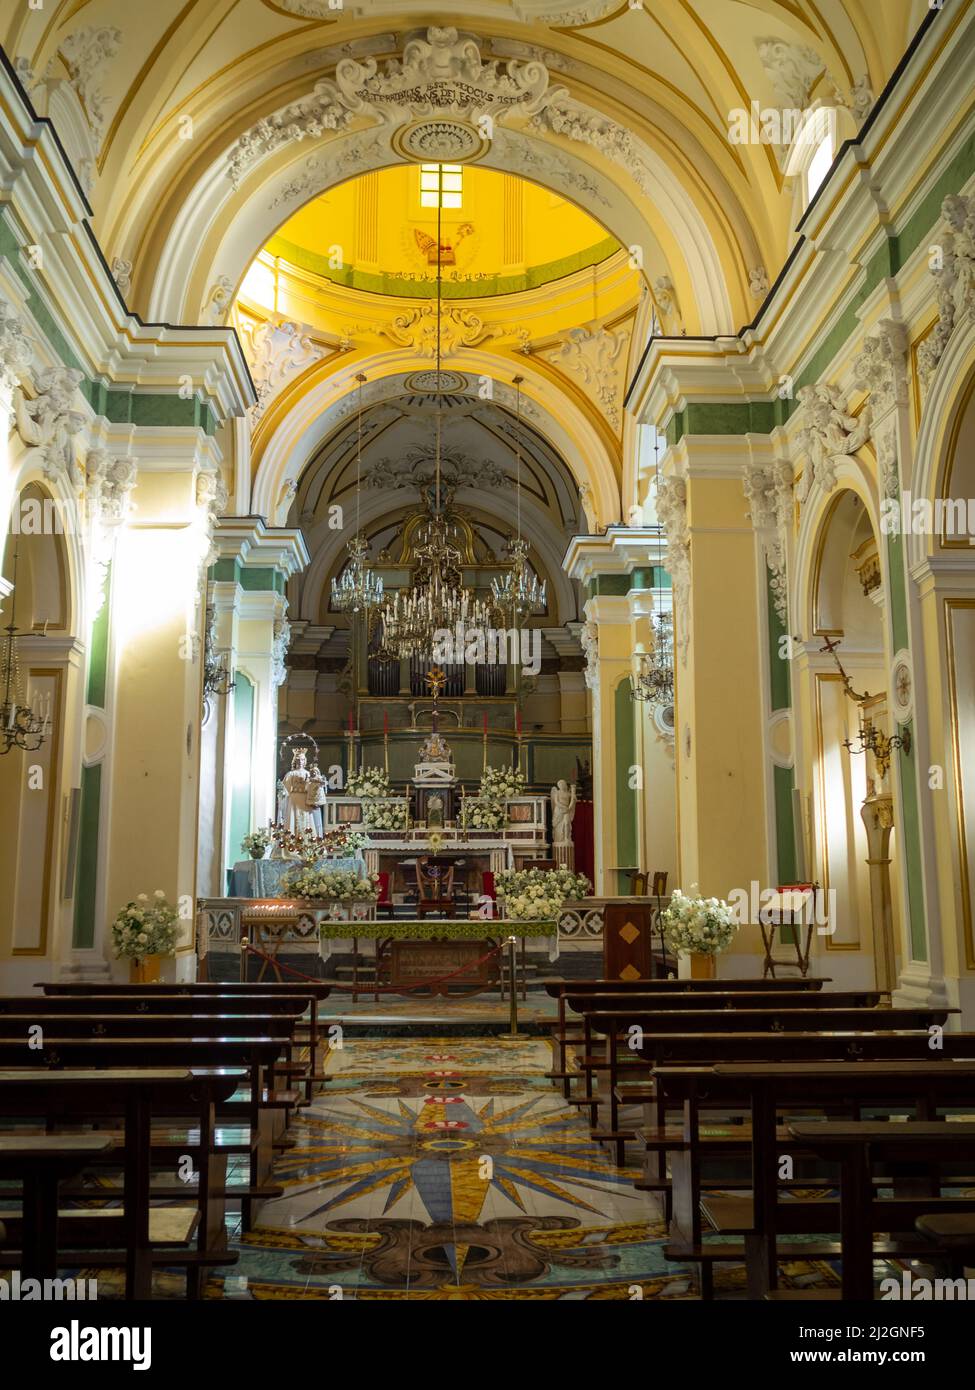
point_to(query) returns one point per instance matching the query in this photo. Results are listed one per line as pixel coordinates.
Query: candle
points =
(351, 726)
(385, 721)
(518, 720)
(485, 723)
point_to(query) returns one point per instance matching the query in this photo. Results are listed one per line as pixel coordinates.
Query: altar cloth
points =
(427, 929)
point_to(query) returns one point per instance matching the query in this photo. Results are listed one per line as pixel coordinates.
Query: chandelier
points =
(218, 679)
(21, 726)
(437, 599)
(520, 592)
(653, 679)
(357, 587)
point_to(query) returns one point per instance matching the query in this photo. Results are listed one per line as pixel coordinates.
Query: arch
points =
(943, 415)
(307, 424)
(855, 475)
(249, 215)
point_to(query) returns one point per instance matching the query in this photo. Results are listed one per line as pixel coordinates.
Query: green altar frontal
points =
(449, 929)
(438, 955)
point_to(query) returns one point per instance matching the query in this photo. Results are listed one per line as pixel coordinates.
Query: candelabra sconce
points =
(218, 679)
(881, 745)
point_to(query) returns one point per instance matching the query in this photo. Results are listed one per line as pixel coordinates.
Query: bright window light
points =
(818, 166)
(441, 184)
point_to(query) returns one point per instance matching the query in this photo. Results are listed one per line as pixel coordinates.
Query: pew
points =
(856, 1146)
(77, 1095)
(560, 989)
(39, 1162)
(255, 1053)
(765, 1090)
(615, 1026)
(237, 998)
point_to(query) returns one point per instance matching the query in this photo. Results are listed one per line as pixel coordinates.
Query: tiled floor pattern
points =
(443, 1169)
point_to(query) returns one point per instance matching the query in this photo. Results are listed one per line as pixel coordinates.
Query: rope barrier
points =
(375, 988)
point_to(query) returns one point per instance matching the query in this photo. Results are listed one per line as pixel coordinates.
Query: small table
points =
(789, 913)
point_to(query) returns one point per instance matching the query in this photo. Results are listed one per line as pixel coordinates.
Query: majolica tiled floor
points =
(436, 1169)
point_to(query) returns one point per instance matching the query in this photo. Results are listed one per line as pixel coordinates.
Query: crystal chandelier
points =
(21, 726)
(437, 599)
(653, 679)
(520, 592)
(218, 679)
(357, 587)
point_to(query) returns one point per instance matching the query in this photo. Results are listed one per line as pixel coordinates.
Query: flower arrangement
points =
(562, 883)
(255, 844)
(385, 815)
(368, 782)
(693, 923)
(351, 841)
(337, 885)
(498, 783)
(481, 814)
(146, 928)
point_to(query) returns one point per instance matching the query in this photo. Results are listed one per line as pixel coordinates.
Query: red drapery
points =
(582, 839)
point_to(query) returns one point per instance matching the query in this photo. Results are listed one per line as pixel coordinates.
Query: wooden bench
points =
(856, 1146)
(39, 1162)
(614, 1027)
(766, 1090)
(559, 989)
(81, 1095)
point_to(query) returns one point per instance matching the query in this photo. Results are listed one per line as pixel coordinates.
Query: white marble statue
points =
(563, 809)
(315, 796)
(298, 818)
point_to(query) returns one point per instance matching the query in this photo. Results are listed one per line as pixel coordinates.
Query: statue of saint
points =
(434, 748)
(298, 818)
(315, 797)
(563, 809)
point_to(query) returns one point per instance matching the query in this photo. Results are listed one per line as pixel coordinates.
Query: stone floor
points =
(433, 1168)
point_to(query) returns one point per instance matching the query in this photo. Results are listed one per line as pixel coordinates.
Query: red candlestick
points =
(518, 720)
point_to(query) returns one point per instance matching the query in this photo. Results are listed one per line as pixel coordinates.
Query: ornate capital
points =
(50, 422)
(769, 491)
(279, 650)
(952, 263)
(16, 352)
(830, 433)
(672, 511)
(110, 481)
(589, 638)
(880, 367)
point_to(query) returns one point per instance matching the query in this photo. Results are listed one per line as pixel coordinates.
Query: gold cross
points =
(436, 679)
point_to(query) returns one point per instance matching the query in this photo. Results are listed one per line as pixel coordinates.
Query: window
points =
(818, 166)
(441, 184)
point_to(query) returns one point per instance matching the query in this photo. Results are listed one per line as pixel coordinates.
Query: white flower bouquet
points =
(693, 923)
(146, 928)
(533, 893)
(255, 844)
(349, 841)
(368, 782)
(498, 783)
(385, 815)
(336, 885)
(481, 814)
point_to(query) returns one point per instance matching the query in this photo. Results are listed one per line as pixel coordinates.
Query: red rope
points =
(376, 988)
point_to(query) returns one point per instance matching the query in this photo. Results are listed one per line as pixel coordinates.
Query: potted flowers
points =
(698, 927)
(143, 932)
(256, 843)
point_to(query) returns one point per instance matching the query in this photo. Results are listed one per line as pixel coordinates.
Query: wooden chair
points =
(434, 886)
(384, 903)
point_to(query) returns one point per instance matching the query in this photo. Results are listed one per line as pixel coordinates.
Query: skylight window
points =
(441, 185)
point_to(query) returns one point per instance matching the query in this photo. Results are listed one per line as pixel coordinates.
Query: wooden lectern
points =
(627, 940)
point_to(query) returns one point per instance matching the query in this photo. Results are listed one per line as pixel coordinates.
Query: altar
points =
(261, 878)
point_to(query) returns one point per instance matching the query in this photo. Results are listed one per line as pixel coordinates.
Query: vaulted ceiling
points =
(634, 118)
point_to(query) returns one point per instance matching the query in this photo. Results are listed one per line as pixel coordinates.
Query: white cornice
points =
(621, 550)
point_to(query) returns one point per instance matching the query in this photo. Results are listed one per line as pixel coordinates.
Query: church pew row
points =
(560, 990)
(156, 996)
(620, 1030)
(768, 1092)
(253, 1107)
(137, 1235)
